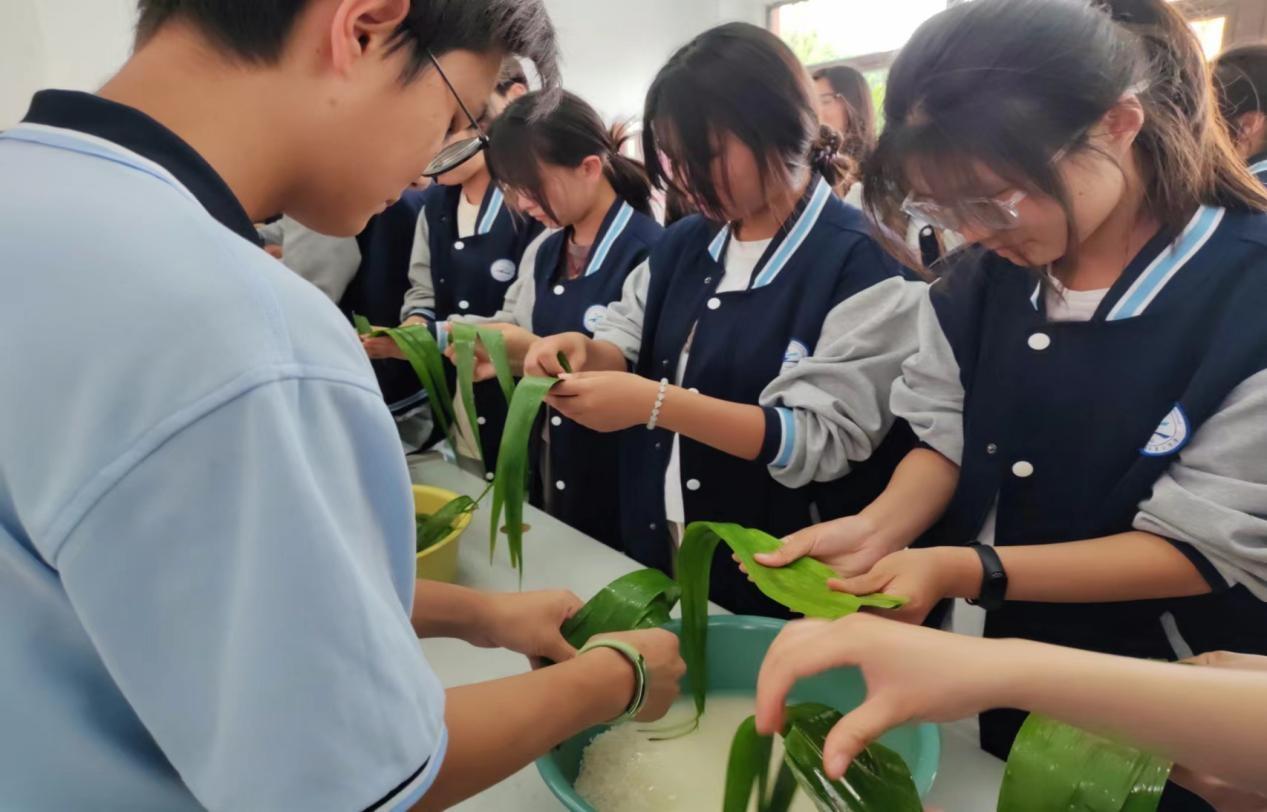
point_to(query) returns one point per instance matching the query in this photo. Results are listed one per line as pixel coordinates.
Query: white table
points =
(556, 556)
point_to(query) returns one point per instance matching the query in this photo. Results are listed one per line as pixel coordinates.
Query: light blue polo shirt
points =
(206, 529)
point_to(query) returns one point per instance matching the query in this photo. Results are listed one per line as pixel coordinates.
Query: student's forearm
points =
(1127, 567)
(445, 610)
(1208, 719)
(917, 496)
(605, 356)
(498, 728)
(735, 428)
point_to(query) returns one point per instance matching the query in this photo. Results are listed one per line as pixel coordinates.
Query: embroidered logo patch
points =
(1171, 436)
(795, 353)
(594, 317)
(503, 270)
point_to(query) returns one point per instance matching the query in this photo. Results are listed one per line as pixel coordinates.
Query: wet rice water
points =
(624, 771)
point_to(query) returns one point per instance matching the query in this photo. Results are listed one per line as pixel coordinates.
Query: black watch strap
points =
(993, 578)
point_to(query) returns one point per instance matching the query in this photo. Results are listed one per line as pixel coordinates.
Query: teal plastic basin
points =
(736, 647)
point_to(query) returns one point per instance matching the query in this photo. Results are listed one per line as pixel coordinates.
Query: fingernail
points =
(836, 767)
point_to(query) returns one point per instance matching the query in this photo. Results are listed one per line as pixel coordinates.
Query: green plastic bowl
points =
(736, 647)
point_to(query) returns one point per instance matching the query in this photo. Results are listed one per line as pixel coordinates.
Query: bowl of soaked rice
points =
(624, 769)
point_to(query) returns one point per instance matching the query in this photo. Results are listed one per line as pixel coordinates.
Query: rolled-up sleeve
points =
(1213, 499)
(245, 580)
(831, 410)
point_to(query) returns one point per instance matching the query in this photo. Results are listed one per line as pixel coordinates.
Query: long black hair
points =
(1009, 84)
(534, 130)
(1241, 78)
(851, 87)
(742, 80)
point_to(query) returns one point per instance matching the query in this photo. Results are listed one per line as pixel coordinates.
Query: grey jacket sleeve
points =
(420, 299)
(830, 410)
(1214, 497)
(272, 233)
(929, 394)
(622, 325)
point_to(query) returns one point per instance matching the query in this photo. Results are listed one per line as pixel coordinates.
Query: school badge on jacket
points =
(1171, 436)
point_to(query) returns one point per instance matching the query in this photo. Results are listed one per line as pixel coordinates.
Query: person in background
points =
(563, 166)
(1092, 374)
(1210, 719)
(330, 263)
(466, 247)
(212, 548)
(1240, 75)
(845, 105)
(763, 336)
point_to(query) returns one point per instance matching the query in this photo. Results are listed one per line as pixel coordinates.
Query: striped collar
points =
(1258, 164)
(1172, 256)
(781, 251)
(613, 228)
(494, 201)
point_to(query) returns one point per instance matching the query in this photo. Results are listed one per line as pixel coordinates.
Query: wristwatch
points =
(993, 578)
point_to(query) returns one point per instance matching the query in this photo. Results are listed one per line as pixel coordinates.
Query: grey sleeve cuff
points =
(828, 411)
(929, 394)
(622, 326)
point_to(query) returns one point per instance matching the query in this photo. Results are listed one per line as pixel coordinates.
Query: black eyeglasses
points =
(459, 152)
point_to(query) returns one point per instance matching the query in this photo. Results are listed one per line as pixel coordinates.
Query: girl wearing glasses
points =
(466, 250)
(564, 168)
(763, 336)
(1092, 375)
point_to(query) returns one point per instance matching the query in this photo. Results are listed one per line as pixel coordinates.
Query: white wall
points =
(75, 44)
(612, 48)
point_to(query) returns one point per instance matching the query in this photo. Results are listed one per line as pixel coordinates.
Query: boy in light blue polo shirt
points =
(206, 529)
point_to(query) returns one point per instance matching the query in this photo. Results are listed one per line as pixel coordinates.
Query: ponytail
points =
(626, 175)
(534, 130)
(828, 159)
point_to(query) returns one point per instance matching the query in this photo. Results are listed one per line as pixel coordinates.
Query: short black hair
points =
(256, 30)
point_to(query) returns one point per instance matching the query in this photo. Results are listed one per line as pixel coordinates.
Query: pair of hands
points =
(529, 623)
(917, 674)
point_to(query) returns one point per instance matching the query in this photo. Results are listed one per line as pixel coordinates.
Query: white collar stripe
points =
(609, 239)
(804, 225)
(719, 243)
(494, 211)
(1156, 276)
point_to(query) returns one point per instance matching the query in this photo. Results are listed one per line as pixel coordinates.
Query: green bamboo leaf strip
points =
(640, 600)
(436, 528)
(747, 767)
(801, 587)
(415, 354)
(1054, 768)
(784, 792)
(512, 466)
(362, 324)
(463, 337)
(565, 363)
(878, 780)
(495, 346)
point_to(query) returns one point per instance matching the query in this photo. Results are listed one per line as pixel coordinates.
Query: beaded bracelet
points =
(659, 404)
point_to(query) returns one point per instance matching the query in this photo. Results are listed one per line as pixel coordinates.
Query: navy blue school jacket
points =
(578, 473)
(741, 344)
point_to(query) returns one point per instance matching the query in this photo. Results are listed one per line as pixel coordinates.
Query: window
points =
(823, 31)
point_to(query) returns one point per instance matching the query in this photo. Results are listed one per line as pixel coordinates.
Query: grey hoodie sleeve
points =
(420, 299)
(929, 394)
(622, 325)
(828, 411)
(1214, 497)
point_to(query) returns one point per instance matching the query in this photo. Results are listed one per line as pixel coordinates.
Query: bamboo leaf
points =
(435, 528)
(1054, 768)
(748, 766)
(878, 780)
(362, 324)
(801, 587)
(565, 363)
(640, 600)
(512, 466)
(784, 792)
(495, 346)
(424, 357)
(463, 337)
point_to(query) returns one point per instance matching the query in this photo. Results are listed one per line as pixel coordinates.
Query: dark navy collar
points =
(137, 132)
